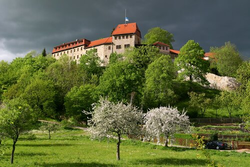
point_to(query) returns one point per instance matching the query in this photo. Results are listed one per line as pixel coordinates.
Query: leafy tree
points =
(243, 74)
(121, 82)
(65, 74)
(114, 58)
(40, 95)
(109, 118)
(215, 104)
(165, 121)
(4, 66)
(79, 99)
(199, 101)
(158, 89)
(91, 65)
(231, 101)
(158, 34)
(50, 127)
(245, 102)
(190, 62)
(16, 116)
(227, 59)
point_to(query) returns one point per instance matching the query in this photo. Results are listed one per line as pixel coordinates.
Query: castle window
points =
(109, 48)
(74, 57)
(74, 50)
(119, 37)
(160, 47)
(77, 49)
(77, 56)
(126, 36)
(115, 38)
(106, 56)
(118, 46)
(123, 37)
(131, 36)
(126, 45)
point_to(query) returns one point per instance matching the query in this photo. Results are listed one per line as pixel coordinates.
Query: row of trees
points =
(118, 119)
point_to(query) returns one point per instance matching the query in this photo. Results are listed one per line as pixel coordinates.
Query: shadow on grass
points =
(77, 165)
(26, 154)
(178, 149)
(172, 161)
(45, 145)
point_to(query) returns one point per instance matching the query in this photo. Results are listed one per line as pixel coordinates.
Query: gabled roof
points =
(130, 28)
(160, 43)
(100, 41)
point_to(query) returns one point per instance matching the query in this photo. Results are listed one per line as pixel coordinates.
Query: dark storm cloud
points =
(32, 25)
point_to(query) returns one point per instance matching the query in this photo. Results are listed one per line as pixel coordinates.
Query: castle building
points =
(123, 37)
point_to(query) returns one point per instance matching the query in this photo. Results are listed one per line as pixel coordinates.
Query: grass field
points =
(72, 148)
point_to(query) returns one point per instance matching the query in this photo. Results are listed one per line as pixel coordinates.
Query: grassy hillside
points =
(69, 148)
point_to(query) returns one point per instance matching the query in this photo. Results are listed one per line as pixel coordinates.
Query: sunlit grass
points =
(73, 148)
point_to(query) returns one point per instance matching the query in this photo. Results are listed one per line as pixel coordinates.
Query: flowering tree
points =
(166, 121)
(109, 118)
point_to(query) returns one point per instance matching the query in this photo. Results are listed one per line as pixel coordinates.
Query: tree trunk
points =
(166, 142)
(190, 78)
(49, 134)
(118, 147)
(13, 150)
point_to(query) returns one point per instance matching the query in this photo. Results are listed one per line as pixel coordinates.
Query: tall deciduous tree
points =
(16, 116)
(200, 102)
(190, 62)
(231, 101)
(91, 65)
(227, 59)
(243, 74)
(109, 118)
(123, 81)
(120, 81)
(40, 95)
(79, 99)
(158, 34)
(158, 90)
(165, 121)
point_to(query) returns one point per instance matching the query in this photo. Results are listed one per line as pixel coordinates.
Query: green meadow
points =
(74, 148)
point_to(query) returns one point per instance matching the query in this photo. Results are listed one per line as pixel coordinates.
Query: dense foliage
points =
(61, 89)
(227, 59)
(158, 34)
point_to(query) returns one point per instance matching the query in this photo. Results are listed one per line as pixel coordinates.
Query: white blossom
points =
(165, 121)
(109, 119)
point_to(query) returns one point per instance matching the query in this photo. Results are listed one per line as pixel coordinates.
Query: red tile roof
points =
(130, 28)
(70, 45)
(160, 43)
(100, 41)
(209, 54)
(174, 51)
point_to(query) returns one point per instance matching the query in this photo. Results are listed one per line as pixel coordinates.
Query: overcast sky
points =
(27, 25)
